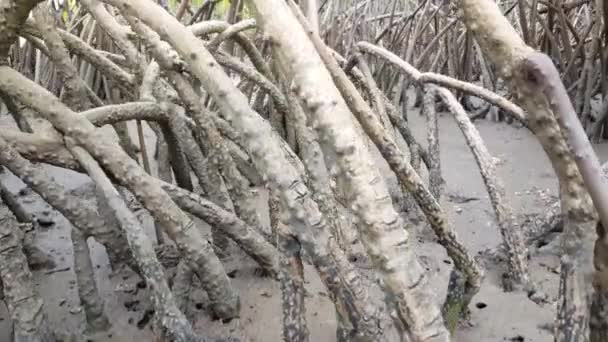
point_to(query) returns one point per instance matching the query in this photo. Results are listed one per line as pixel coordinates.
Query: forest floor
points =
(496, 316)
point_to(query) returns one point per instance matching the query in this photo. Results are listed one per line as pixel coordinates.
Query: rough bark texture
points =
(507, 51)
(14, 14)
(268, 152)
(511, 234)
(466, 266)
(381, 227)
(247, 237)
(179, 226)
(87, 288)
(172, 320)
(428, 109)
(24, 305)
(83, 218)
(218, 156)
(291, 277)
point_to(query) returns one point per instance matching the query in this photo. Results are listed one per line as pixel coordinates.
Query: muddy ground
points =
(496, 316)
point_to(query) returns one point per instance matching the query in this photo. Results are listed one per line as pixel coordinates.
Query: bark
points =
(122, 78)
(518, 274)
(119, 34)
(245, 236)
(175, 144)
(36, 258)
(319, 182)
(512, 237)
(172, 320)
(229, 32)
(182, 287)
(509, 54)
(394, 115)
(409, 179)
(266, 149)
(344, 236)
(381, 227)
(428, 109)
(291, 277)
(83, 218)
(14, 14)
(219, 159)
(448, 82)
(75, 93)
(543, 73)
(163, 170)
(195, 248)
(24, 305)
(87, 288)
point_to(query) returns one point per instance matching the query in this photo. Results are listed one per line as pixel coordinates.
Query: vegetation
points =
(297, 98)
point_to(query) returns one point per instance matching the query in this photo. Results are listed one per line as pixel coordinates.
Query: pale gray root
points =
(318, 176)
(278, 100)
(195, 248)
(291, 277)
(14, 14)
(229, 32)
(381, 227)
(405, 202)
(16, 109)
(181, 288)
(90, 300)
(120, 36)
(177, 158)
(121, 250)
(246, 237)
(122, 78)
(342, 231)
(172, 320)
(436, 182)
(546, 76)
(82, 217)
(177, 161)
(36, 258)
(375, 94)
(256, 58)
(542, 72)
(266, 149)
(408, 178)
(509, 54)
(105, 232)
(445, 81)
(518, 275)
(163, 171)
(219, 158)
(394, 115)
(25, 306)
(208, 175)
(74, 93)
(417, 153)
